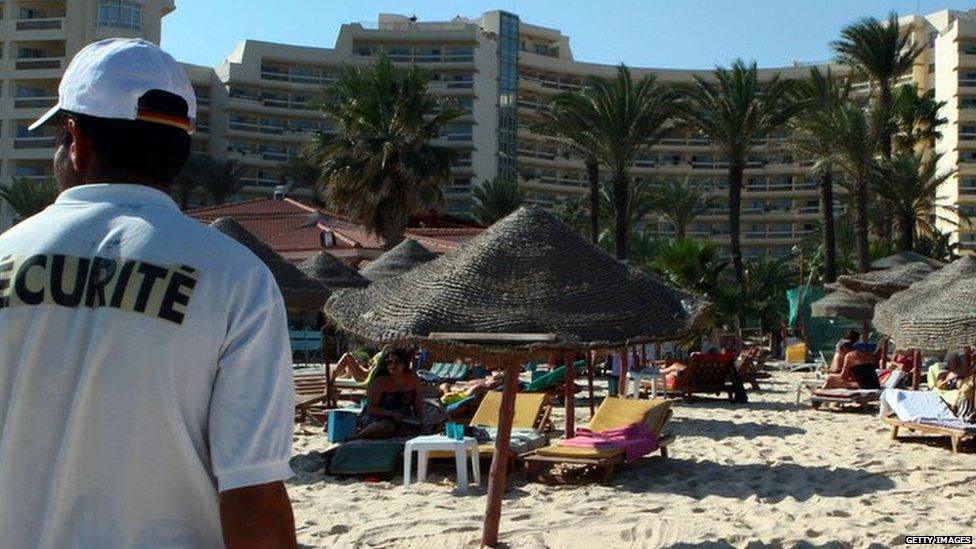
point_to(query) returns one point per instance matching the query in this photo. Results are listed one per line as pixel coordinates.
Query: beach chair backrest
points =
(528, 409)
(615, 413)
(708, 370)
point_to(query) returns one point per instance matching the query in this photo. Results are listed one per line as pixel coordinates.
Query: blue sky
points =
(645, 33)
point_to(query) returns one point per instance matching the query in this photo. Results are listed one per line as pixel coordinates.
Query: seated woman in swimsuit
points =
(843, 347)
(859, 370)
(393, 403)
(952, 373)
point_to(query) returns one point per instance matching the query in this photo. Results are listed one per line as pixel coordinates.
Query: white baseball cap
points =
(107, 78)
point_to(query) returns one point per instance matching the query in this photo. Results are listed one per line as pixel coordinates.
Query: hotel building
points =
(258, 107)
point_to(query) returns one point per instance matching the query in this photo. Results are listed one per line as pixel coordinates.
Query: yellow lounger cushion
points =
(527, 409)
(582, 453)
(615, 413)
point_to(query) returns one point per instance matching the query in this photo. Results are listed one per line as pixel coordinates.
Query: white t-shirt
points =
(144, 366)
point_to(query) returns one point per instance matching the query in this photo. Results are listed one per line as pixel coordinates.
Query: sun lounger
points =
(705, 374)
(613, 413)
(531, 416)
(552, 382)
(857, 397)
(310, 393)
(441, 372)
(365, 457)
(924, 412)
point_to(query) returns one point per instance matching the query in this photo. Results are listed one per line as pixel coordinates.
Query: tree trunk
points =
(622, 218)
(680, 231)
(735, 204)
(829, 239)
(885, 103)
(593, 175)
(906, 226)
(861, 224)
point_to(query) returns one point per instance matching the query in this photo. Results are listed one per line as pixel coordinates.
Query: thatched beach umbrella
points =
(886, 282)
(332, 272)
(398, 260)
(904, 258)
(301, 293)
(846, 304)
(936, 313)
(528, 285)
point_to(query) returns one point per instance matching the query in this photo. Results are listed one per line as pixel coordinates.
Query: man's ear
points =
(80, 153)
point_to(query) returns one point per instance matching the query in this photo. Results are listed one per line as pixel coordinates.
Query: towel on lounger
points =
(635, 440)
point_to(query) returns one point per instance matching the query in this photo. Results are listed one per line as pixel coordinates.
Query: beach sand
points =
(769, 472)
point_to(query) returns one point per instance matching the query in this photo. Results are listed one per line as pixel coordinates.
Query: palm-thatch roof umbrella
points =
(331, 271)
(527, 285)
(398, 260)
(936, 313)
(886, 282)
(301, 293)
(904, 258)
(845, 304)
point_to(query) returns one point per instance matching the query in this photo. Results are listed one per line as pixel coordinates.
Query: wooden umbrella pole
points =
(865, 330)
(624, 364)
(917, 370)
(499, 460)
(569, 395)
(590, 365)
(884, 353)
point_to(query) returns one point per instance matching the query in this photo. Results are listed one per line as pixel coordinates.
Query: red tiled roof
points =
(288, 225)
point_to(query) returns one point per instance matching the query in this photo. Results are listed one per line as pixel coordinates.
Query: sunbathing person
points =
(394, 407)
(858, 372)
(348, 366)
(843, 347)
(952, 372)
(474, 386)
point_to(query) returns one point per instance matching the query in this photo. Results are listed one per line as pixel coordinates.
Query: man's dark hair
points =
(127, 148)
(852, 335)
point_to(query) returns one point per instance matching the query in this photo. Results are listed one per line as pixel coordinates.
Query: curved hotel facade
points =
(258, 109)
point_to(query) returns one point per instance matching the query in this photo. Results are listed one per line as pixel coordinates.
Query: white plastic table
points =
(634, 379)
(461, 448)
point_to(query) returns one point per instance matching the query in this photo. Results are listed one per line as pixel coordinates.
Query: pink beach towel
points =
(635, 440)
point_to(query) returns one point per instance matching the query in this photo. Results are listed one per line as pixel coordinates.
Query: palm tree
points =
(301, 172)
(691, 264)
(917, 119)
(572, 212)
(197, 168)
(28, 196)
(681, 201)
(380, 167)
(813, 137)
(641, 200)
(909, 183)
(880, 53)
(856, 132)
(569, 118)
(222, 180)
(731, 109)
(628, 117)
(496, 199)
(937, 245)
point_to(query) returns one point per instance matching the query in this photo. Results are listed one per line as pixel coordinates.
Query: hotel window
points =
(120, 14)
